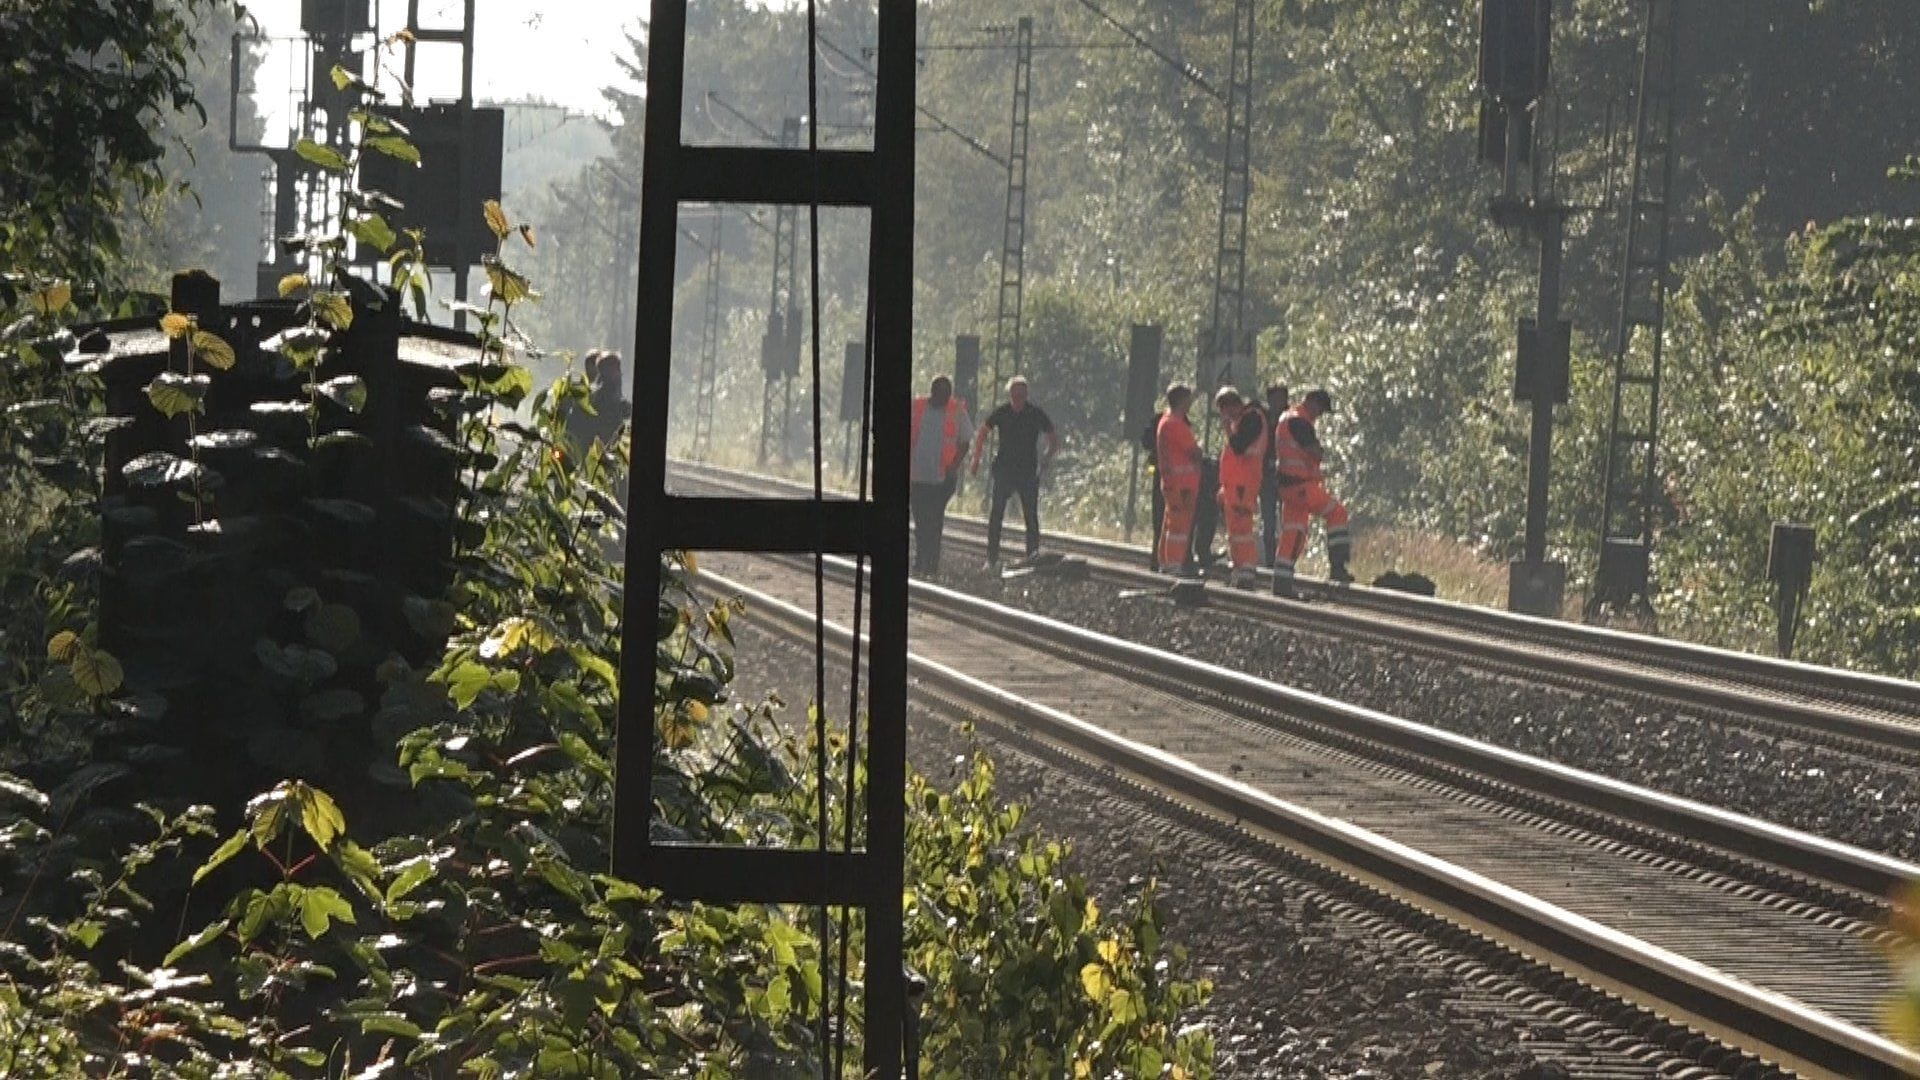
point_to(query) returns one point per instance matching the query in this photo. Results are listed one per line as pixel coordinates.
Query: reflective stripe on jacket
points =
(1296, 463)
(950, 439)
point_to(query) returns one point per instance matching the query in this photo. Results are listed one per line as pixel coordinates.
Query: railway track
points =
(1860, 714)
(1744, 934)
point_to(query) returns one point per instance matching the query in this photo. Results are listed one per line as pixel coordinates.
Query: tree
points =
(89, 88)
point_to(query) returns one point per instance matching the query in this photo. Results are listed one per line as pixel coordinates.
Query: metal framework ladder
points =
(780, 349)
(709, 375)
(1227, 339)
(1013, 241)
(1632, 484)
(869, 877)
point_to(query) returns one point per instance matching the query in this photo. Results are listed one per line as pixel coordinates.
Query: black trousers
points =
(1269, 518)
(1159, 521)
(1004, 488)
(929, 503)
(1206, 516)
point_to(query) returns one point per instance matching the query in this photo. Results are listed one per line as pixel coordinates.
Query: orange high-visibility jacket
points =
(1242, 468)
(1176, 451)
(1297, 462)
(950, 440)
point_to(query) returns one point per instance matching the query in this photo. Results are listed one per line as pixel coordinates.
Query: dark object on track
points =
(1046, 563)
(1418, 584)
(1189, 592)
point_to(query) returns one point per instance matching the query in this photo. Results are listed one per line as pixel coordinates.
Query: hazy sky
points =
(559, 50)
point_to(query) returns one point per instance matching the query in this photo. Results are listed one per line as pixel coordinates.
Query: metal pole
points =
(1133, 490)
(1540, 442)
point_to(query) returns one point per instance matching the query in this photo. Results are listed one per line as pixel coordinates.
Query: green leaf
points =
(174, 394)
(415, 874)
(160, 469)
(373, 231)
(226, 851)
(1097, 981)
(20, 789)
(496, 216)
(333, 308)
(51, 299)
(210, 932)
(320, 816)
(465, 683)
(359, 865)
(319, 907)
(389, 1023)
(324, 156)
(333, 627)
(347, 391)
(292, 283)
(213, 350)
(62, 646)
(512, 386)
(509, 285)
(395, 146)
(95, 671)
(260, 910)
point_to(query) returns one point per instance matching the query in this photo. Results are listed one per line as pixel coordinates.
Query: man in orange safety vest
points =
(935, 468)
(1303, 494)
(1177, 459)
(1242, 461)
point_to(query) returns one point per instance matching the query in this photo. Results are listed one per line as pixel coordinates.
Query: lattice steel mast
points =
(709, 372)
(1632, 483)
(1006, 341)
(1227, 339)
(780, 348)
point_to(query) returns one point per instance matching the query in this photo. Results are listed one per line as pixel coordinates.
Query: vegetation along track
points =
(1754, 934)
(1850, 712)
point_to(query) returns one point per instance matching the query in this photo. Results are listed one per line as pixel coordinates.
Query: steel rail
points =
(1802, 698)
(1761, 1021)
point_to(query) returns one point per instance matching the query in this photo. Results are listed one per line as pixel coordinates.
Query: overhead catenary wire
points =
(1188, 71)
(977, 145)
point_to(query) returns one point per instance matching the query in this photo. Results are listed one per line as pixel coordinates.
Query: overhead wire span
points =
(1188, 71)
(978, 146)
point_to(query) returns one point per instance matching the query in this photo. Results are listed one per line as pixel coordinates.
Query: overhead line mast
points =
(1633, 436)
(709, 370)
(780, 343)
(1013, 236)
(1228, 340)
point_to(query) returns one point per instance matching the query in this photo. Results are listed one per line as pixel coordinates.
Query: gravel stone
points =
(1842, 796)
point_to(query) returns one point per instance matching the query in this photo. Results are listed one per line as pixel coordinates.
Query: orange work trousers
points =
(1299, 505)
(1241, 502)
(1176, 528)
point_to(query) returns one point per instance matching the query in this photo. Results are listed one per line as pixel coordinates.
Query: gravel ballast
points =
(1826, 792)
(1302, 988)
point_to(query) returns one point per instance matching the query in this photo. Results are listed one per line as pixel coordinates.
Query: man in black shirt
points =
(1017, 463)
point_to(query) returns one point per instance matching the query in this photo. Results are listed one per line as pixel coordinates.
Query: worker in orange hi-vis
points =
(1303, 494)
(1241, 463)
(1177, 454)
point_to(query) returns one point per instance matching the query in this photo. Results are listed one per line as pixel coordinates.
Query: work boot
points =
(1283, 587)
(1337, 566)
(1243, 578)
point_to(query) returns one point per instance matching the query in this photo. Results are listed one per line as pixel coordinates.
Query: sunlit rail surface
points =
(1658, 899)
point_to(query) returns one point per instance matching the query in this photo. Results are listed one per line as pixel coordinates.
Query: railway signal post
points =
(1515, 44)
